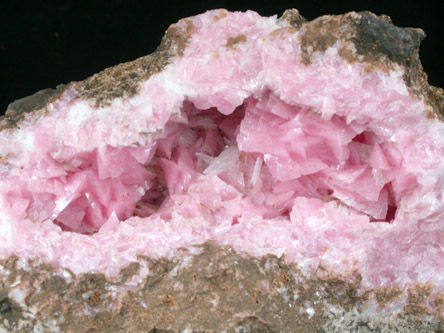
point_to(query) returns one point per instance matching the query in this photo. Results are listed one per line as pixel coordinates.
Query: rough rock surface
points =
(205, 289)
(253, 174)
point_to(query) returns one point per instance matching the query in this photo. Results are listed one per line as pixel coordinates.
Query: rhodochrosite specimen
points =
(252, 174)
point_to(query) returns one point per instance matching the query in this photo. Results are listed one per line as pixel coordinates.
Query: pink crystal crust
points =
(240, 142)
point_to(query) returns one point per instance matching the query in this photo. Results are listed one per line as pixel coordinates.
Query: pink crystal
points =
(241, 143)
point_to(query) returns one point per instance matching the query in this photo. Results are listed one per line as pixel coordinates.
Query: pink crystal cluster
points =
(244, 145)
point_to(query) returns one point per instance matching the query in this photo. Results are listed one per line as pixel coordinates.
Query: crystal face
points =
(246, 136)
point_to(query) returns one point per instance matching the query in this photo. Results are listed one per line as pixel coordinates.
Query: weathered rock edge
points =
(366, 38)
(118, 81)
(222, 289)
(212, 290)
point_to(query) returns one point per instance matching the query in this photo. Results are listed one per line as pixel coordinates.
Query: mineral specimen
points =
(253, 174)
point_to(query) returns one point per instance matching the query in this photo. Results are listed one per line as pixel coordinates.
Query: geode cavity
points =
(252, 174)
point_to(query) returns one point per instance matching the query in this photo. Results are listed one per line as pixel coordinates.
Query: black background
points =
(43, 44)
